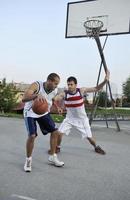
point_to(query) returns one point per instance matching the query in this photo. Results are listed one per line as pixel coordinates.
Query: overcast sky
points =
(33, 44)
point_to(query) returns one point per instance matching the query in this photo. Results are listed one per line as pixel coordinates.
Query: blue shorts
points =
(45, 122)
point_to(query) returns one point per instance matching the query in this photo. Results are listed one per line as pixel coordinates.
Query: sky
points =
(33, 44)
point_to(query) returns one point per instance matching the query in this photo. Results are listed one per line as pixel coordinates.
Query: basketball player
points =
(40, 90)
(76, 115)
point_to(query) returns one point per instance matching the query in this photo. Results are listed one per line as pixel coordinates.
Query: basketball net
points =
(93, 28)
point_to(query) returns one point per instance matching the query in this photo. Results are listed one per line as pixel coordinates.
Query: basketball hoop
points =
(93, 28)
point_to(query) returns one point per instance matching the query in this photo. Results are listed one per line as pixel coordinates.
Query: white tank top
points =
(74, 104)
(28, 112)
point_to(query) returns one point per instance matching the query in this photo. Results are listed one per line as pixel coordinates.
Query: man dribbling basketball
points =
(41, 90)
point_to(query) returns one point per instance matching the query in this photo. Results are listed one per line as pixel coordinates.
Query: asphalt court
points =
(86, 175)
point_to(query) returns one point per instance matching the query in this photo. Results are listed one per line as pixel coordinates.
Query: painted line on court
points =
(22, 197)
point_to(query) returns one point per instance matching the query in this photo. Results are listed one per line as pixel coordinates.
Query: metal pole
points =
(96, 102)
(106, 107)
(105, 68)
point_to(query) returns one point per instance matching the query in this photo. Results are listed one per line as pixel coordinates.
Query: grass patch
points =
(100, 112)
(110, 111)
(57, 118)
(15, 115)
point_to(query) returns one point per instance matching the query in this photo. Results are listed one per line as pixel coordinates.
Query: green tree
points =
(102, 98)
(8, 99)
(126, 89)
(118, 102)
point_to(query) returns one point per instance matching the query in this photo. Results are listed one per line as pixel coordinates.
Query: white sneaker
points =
(28, 165)
(54, 160)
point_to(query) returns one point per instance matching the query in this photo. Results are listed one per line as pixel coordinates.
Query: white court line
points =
(22, 197)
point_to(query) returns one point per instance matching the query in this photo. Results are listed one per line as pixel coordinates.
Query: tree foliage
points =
(103, 98)
(126, 89)
(8, 98)
(126, 93)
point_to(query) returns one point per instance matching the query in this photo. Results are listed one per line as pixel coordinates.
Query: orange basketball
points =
(40, 107)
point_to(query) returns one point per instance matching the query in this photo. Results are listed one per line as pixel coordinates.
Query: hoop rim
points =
(93, 20)
(93, 27)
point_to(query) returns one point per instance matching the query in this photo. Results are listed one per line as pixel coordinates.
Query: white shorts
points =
(80, 124)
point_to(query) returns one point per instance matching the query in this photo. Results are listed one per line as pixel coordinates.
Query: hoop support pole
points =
(96, 103)
(105, 68)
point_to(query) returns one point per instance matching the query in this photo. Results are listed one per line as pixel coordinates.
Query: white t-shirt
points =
(28, 112)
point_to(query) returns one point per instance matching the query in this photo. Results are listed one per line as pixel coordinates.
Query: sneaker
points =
(28, 165)
(57, 150)
(54, 160)
(98, 149)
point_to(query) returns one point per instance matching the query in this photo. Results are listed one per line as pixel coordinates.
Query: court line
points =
(22, 197)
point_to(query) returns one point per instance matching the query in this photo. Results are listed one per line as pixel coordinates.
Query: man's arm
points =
(30, 93)
(59, 97)
(98, 87)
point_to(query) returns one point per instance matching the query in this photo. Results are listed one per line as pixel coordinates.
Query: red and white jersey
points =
(74, 104)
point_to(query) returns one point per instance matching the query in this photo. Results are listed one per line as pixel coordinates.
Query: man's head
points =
(52, 82)
(72, 83)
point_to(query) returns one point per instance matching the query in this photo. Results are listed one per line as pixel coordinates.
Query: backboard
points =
(115, 15)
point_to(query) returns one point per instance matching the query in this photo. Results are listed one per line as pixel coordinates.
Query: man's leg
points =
(85, 129)
(92, 141)
(30, 145)
(47, 125)
(53, 143)
(65, 128)
(29, 150)
(58, 143)
(98, 149)
(59, 140)
(31, 128)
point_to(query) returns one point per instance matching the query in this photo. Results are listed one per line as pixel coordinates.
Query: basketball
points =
(40, 107)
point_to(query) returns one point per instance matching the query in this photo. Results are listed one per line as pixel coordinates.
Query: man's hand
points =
(60, 111)
(40, 98)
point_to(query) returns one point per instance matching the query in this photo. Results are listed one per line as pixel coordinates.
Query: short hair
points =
(53, 76)
(72, 78)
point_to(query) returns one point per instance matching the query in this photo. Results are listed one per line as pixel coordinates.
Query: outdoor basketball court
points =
(86, 175)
